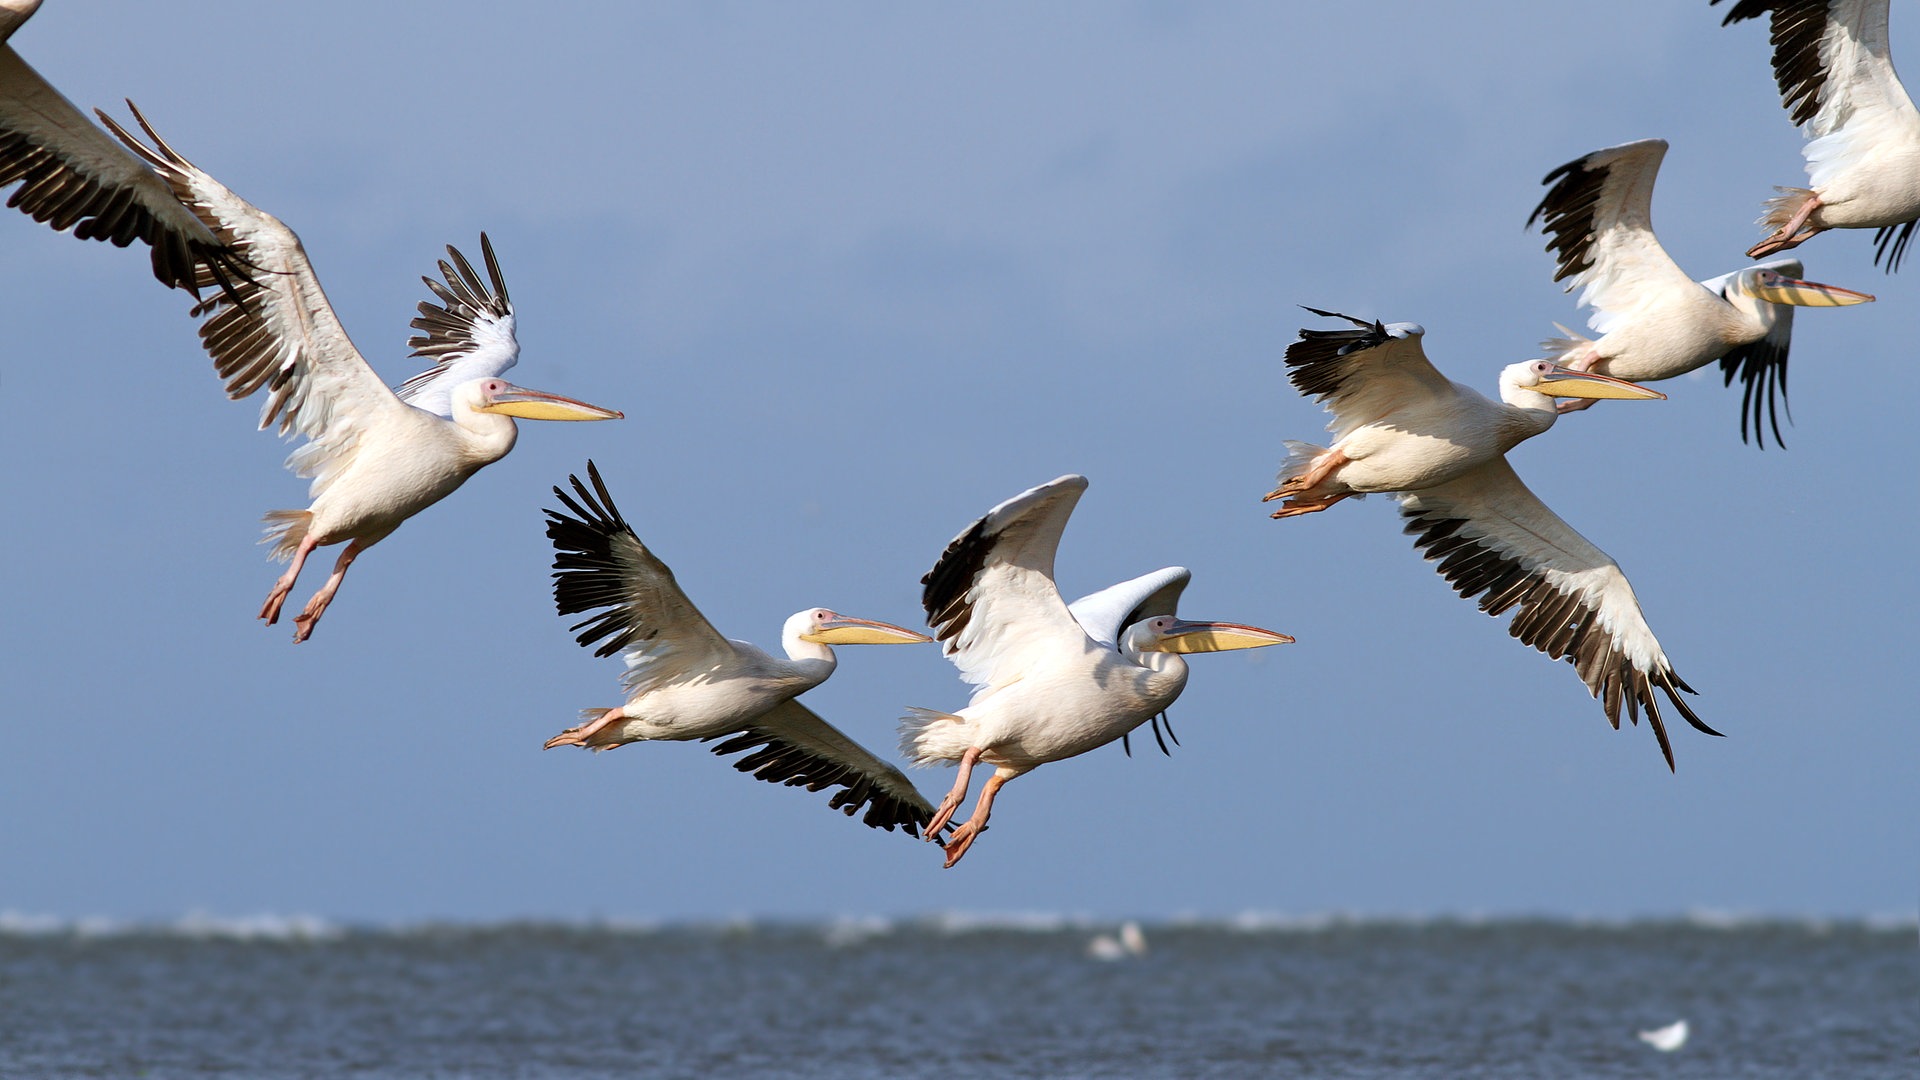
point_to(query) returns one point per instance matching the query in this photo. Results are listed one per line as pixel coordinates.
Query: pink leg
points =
(952, 802)
(316, 607)
(964, 836)
(1792, 234)
(578, 736)
(1573, 405)
(270, 610)
(1299, 491)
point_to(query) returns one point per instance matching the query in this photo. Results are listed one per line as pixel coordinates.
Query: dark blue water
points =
(948, 997)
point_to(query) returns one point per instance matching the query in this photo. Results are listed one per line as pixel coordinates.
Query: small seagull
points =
(1666, 1039)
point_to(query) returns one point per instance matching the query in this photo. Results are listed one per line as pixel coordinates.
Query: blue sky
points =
(856, 273)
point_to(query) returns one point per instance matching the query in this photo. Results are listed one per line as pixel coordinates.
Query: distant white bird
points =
(1837, 81)
(1666, 1039)
(1131, 941)
(376, 458)
(1439, 447)
(1047, 688)
(684, 681)
(1654, 321)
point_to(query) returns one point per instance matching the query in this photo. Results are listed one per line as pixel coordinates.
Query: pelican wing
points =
(1761, 366)
(991, 595)
(791, 745)
(1495, 539)
(1598, 219)
(1830, 61)
(1837, 81)
(274, 330)
(73, 176)
(468, 335)
(600, 566)
(1105, 614)
(1362, 375)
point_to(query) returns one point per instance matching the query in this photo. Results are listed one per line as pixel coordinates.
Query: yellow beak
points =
(847, 630)
(540, 405)
(1198, 637)
(1566, 382)
(1808, 294)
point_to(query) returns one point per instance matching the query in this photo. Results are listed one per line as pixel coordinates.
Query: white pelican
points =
(1653, 320)
(73, 176)
(1046, 687)
(375, 458)
(1863, 154)
(1439, 447)
(685, 681)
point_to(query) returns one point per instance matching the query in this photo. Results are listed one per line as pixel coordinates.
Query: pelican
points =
(376, 458)
(1863, 154)
(1047, 686)
(685, 681)
(1653, 320)
(73, 176)
(1440, 448)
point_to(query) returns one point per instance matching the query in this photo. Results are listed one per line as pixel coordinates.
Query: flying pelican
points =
(685, 681)
(1046, 687)
(73, 176)
(1439, 447)
(376, 458)
(1653, 320)
(1863, 155)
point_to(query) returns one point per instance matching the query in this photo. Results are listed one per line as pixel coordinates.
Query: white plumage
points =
(1654, 321)
(1046, 687)
(1440, 448)
(1837, 81)
(374, 459)
(685, 681)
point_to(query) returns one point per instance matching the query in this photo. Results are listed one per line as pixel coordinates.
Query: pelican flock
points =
(1654, 321)
(1051, 680)
(1837, 82)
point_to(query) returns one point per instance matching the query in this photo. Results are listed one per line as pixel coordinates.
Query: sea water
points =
(958, 996)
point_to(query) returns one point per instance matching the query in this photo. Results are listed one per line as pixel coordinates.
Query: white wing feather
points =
(991, 598)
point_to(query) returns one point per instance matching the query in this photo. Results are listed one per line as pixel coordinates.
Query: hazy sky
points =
(857, 272)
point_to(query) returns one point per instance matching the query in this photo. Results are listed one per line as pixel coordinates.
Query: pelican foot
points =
(943, 815)
(270, 611)
(1573, 405)
(960, 841)
(1296, 507)
(578, 736)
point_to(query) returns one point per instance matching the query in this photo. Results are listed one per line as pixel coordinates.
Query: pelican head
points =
(501, 396)
(1778, 282)
(1554, 380)
(1169, 634)
(825, 626)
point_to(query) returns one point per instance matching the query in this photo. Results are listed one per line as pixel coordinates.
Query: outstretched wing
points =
(1495, 539)
(71, 175)
(600, 566)
(991, 595)
(791, 745)
(1837, 81)
(468, 335)
(1598, 219)
(1363, 374)
(274, 330)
